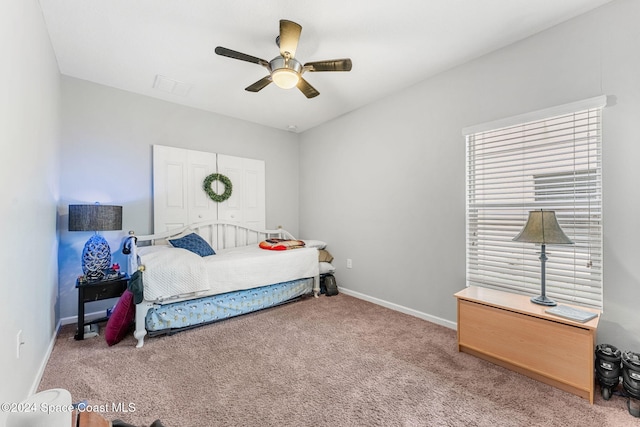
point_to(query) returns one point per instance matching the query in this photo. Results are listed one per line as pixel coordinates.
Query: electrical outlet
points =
(349, 263)
(19, 343)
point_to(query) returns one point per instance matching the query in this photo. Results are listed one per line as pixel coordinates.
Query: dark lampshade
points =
(542, 228)
(96, 255)
(95, 217)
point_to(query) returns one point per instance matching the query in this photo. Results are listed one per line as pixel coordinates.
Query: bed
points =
(184, 287)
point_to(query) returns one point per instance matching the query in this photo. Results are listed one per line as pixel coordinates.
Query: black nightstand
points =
(96, 290)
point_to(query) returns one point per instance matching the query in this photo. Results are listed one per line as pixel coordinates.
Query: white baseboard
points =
(87, 316)
(68, 320)
(433, 319)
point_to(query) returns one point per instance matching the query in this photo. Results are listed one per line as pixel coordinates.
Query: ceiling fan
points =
(284, 70)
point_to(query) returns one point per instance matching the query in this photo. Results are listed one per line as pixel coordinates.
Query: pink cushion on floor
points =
(121, 319)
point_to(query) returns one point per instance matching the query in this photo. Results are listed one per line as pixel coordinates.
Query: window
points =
(550, 160)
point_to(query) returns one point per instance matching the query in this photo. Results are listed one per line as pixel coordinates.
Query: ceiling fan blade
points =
(308, 90)
(259, 85)
(329, 65)
(289, 37)
(223, 51)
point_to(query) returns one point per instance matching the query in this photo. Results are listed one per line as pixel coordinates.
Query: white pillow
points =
(326, 268)
(319, 244)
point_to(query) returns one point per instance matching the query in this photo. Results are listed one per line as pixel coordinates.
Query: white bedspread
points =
(248, 267)
(171, 272)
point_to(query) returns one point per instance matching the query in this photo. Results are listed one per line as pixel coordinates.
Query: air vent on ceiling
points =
(172, 86)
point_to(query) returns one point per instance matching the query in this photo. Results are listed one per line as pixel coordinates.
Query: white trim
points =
(74, 319)
(68, 320)
(424, 316)
(558, 110)
(45, 360)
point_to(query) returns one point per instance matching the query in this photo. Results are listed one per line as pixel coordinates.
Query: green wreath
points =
(228, 187)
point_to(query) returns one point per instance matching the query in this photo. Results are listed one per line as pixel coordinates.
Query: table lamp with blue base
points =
(96, 254)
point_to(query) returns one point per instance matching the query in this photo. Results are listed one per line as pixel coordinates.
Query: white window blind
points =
(554, 163)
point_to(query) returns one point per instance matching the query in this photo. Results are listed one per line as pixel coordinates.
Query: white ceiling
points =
(126, 43)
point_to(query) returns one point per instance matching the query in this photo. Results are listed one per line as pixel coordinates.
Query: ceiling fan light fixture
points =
(285, 78)
(286, 72)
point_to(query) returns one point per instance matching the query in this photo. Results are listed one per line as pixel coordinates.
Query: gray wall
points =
(385, 186)
(107, 139)
(29, 149)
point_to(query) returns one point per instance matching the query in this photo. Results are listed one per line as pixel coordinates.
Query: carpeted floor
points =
(331, 361)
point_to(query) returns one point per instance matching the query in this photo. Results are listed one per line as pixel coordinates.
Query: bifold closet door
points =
(247, 205)
(178, 198)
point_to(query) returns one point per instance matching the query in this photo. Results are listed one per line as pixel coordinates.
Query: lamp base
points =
(543, 300)
(96, 257)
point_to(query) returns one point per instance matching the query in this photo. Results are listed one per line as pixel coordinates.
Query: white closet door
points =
(169, 188)
(200, 165)
(247, 205)
(178, 197)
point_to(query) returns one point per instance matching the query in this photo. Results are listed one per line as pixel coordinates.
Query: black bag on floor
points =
(329, 282)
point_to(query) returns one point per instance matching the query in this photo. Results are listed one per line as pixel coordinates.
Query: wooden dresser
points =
(510, 331)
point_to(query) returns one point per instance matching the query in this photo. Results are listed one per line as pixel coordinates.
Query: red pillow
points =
(121, 319)
(280, 244)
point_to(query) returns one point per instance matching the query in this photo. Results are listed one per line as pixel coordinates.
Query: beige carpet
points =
(331, 361)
